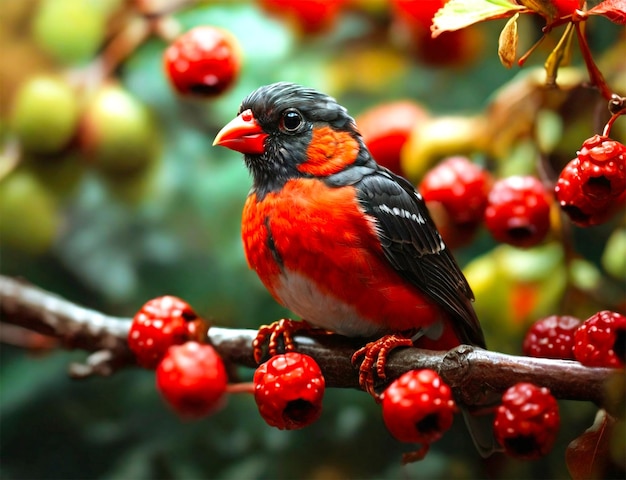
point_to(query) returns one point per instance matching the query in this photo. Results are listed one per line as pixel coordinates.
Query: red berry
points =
(462, 187)
(204, 61)
(417, 14)
(527, 421)
(566, 7)
(518, 211)
(456, 48)
(386, 128)
(288, 389)
(192, 379)
(552, 337)
(592, 186)
(159, 324)
(595, 340)
(418, 407)
(309, 16)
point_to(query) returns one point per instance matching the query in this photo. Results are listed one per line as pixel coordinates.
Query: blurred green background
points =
(111, 241)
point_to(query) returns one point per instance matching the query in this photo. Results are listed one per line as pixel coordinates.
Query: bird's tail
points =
(480, 426)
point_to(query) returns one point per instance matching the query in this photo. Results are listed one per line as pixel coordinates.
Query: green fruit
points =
(118, 132)
(440, 137)
(70, 30)
(45, 114)
(514, 287)
(29, 218)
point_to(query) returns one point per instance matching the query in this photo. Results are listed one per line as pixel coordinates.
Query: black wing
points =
(415, 248)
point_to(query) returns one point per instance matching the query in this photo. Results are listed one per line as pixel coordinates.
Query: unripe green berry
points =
(45, 114)
(28, 212)
(70, 30)
(118, 133)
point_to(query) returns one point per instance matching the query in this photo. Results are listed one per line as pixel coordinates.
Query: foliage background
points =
(179, 234)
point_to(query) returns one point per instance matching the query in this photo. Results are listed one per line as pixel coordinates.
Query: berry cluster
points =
(517, 209)
(593, 185)
(599, 341)
(165, 334)
(527, 421)
(461, 195)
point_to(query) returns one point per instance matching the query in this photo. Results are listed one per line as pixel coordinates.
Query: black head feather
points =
(268, 102)
(285, 150)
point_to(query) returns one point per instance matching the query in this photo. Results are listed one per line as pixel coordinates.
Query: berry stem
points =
(242, 387)
(416, 455)
(609, 125)
(595, 75)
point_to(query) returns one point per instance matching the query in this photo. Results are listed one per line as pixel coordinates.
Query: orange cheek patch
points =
(329, 152)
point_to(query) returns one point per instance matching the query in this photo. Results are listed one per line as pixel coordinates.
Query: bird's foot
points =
(374, 356)
(278, 334)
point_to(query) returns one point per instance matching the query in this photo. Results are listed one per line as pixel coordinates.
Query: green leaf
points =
(457, 14)
(560, 55)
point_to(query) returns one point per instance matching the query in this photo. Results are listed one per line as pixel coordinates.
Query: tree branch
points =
(475, 375)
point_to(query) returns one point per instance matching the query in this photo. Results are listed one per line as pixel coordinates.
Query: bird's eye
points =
(291, 120)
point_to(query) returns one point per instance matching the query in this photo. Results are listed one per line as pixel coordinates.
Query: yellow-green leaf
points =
(457, 14)
(560, 55)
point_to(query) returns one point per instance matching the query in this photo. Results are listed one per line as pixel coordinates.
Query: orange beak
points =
(242, 134)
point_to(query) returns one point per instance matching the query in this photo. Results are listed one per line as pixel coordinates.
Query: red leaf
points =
(588, 456)
(614, 10)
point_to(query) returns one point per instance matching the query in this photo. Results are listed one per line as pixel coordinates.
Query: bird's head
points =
(285, 131)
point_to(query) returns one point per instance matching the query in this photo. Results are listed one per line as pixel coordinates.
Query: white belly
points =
(302, 297)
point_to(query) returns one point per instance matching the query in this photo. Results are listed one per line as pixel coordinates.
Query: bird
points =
(339, 240)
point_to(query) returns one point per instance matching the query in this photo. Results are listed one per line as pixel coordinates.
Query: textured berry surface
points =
(595, 340)
(592, 186)
(462, 187)
(418, 407)
(204, 61)
(518, 211)
(527, 422)
(552, 337)
(192, 379)
(288, 390)
(159, 324)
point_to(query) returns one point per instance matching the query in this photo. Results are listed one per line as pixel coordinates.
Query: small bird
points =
(339, 240)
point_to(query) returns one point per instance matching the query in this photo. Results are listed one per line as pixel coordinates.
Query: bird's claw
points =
(374, 356)
(284, 329)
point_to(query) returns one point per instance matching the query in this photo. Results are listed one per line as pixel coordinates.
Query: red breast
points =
(318, 254)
